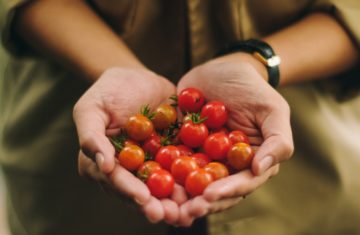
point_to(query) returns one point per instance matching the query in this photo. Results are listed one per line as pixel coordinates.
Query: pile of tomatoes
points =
(192, 149)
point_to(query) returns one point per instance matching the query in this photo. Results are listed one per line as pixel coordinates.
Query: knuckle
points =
(288, 147)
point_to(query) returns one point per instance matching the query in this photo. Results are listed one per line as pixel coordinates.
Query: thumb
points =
(278, 143)
(91, 122)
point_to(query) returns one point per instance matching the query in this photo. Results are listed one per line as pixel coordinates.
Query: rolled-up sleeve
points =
(347, 13)
(10, 41)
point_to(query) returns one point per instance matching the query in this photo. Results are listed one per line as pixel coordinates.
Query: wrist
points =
(249, 59)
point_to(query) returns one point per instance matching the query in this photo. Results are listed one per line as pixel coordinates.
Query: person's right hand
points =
(102, 111)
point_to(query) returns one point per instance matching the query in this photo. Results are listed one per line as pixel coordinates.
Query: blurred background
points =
(3, 224)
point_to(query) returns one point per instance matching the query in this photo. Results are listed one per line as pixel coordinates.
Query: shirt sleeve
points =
(347, 13)
(10, 41)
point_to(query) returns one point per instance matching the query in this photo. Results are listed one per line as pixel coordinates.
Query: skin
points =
(91, 48)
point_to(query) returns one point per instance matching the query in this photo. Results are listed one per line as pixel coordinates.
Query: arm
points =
(316, 47)
(71, 33)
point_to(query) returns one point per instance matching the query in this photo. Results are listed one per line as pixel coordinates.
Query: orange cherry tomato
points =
(139, 127)
(131, 157)
(240, 156)
(217, 170)
(165, 115)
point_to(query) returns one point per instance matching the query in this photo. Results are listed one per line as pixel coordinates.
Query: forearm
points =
(71, 33)
(314, 48)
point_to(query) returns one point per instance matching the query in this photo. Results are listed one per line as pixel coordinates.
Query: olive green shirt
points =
(315, 192)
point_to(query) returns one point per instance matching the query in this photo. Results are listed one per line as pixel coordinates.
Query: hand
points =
(255, 108)
(102, 111)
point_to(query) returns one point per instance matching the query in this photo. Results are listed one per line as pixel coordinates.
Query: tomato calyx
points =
(196, 119)
(174, 99)
(119, 140)
(145, 110)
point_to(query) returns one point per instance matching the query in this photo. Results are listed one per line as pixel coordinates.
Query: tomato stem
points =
(145, 110)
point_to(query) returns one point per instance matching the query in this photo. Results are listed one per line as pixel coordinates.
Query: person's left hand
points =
(255, 108)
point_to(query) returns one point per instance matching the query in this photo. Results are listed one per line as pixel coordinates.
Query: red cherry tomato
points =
(217, 170)
(191, 100)
(238, 137)
(240, 156)
(222, 129)
(217, 145)
(146, 169)
(193, 135)
(165, 115)
(160, 184)
(166, 155)
(215, 113)
(131, 157)
(201, 159)
(197, 181)
(139, 127)
(152, 144)
(182, 167)
(185, 150)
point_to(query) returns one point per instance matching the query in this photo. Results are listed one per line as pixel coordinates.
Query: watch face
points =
(274, 61)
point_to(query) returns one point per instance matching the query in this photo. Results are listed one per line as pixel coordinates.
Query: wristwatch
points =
(262, 52)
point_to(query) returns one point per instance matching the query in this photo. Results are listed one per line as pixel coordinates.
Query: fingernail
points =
(265, 164)
(100, 160)
(141, 203)
(153, 221)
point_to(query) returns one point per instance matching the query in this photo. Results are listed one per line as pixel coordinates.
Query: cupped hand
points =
(255, 108)
(101, 112)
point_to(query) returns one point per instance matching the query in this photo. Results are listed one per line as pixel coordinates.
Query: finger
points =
(91, 123)
(236, 185)
(185, 219)
(224, 204)
(198, 207)
(179, 194)
(89, 169)
(127, 183)
(153, 210)
(171, 211)
(278, 143)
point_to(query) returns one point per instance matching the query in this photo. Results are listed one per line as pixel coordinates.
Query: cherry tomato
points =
(215, 113)
(146, 169)
(181, 168)
(152, 144)
(139, 127)
(217, 145)
(222, 129)
(160, 184)
(165, 115)
(197, 181)
(238, 137)
(193, 135)
(191, 100)
(201, 159)
(187, 118)
(240, 156)
(130, 142)
(131, 157)
(166, 155)
(185, 150)
(217, 170)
